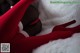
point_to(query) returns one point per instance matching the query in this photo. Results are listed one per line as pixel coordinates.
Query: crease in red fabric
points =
(9, 21)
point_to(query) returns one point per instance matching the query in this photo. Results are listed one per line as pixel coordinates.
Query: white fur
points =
(56, 14)
(69, 45)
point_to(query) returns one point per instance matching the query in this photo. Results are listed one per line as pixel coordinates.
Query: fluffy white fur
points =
(56, 14)
(59, 13)
(69, 45)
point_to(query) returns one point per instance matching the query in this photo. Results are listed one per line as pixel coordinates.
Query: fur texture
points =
(69, 45)
(55, 14)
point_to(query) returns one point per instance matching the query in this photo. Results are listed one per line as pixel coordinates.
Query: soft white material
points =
(56, 14)
(69, 45)
(22, 31)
